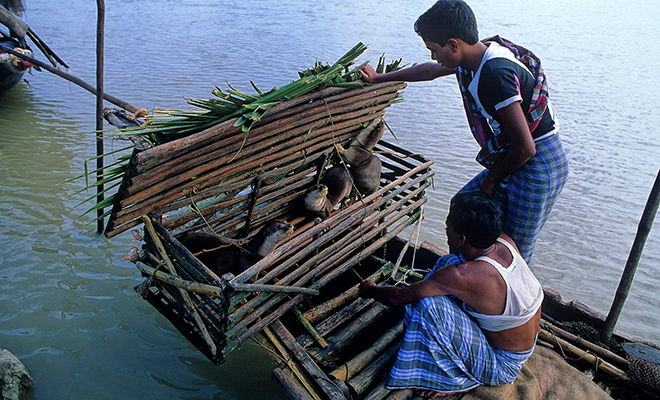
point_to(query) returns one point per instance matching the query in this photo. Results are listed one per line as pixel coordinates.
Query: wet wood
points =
(348, 334)
(292, 388)
(324, 310)
(190, 305)
(291, 363)
(331, 389)
(643, 229)
(310, 329)
(585, 344)
(347, 245)
(585, 356)
(201, 139)
(377, 370)
(378, 393)
(362, 360)
(248, 287)
(266, 320)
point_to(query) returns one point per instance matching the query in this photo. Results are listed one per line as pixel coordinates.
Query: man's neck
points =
(472, 55)
(472, 253)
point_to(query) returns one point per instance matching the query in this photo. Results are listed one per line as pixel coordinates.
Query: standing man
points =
(505, 96)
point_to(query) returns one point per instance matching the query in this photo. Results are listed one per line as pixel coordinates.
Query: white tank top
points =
(524, 294)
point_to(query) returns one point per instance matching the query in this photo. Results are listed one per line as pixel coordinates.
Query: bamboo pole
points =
(374, 371)
(248, 287)
(120, 103)
(100, 28)
(128, 214)
(310, 329)
(292, 388)
(378, 393)
(324, 310)
(347, 245)
(362, 360)
(331, 389)
(178, 171)
(643, 230)
(348, 334)
(210, 135)
(580, 342)
(275, 255)
(601, 364)
(291, 364)
(154, 197)
(191, 306)
(190, 286)
(246, 333)
(331, 323)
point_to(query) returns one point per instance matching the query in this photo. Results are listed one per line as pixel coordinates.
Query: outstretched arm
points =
(417, 73)
(448, 280)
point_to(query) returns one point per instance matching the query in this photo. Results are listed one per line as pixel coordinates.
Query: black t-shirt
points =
(503, 80)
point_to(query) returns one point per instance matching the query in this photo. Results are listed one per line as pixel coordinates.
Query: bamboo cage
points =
(339, 346)
(233, 183)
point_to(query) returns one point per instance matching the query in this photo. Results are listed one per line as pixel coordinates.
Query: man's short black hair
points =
(477, 217)
(448, 19)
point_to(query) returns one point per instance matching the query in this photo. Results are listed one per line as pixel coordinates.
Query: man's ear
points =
(462, 239)
(453, 44)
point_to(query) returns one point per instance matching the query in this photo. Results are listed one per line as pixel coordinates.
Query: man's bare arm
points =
(522, 146)
(448, 280)
(417, 73)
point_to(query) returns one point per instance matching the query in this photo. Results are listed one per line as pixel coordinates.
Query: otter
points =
(369, 136)
(366, 176)
(222, 255)
(335, 186)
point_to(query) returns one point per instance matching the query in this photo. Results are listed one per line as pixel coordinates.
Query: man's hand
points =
(369, 74)
(367, 289)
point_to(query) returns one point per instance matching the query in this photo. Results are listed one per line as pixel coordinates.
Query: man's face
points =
(454, 239)
(442, 54)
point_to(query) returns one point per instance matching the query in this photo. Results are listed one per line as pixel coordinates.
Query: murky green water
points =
(67, 305)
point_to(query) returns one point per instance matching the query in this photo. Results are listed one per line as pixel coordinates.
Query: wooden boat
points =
(300, 301)
(15, 54)
(11, 67)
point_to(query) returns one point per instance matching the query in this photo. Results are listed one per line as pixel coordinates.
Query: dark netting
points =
(645, 373)
(593, 335)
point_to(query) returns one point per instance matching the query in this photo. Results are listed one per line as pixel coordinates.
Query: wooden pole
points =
(100, 27)
(601, 364)
(73, 79)
(633, 258)
(578, 341)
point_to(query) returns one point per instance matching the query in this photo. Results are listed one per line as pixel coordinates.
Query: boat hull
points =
(11, 69)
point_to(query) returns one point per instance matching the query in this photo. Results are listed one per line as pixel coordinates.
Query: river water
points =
(67, 305)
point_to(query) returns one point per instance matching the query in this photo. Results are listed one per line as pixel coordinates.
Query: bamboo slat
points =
(329, 388)
(289, 385)
(246, 333)
(361, 361)
(346, 245)
(601, 364)
(183, 145)
(376, 370)
(148, 198)
(278, 253)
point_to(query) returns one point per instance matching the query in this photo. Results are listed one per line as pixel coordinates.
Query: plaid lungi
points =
(530, 193)
(445, 351)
